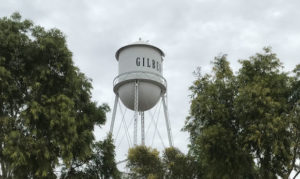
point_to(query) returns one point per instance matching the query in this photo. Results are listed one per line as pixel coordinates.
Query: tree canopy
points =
(145, 162)
(178, 165)
(47, 116)
(100, 164)
(245, 125)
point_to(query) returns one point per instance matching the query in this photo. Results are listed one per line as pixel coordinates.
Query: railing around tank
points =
(140, 75)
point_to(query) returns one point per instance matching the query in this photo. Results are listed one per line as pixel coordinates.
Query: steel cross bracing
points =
(136, 113)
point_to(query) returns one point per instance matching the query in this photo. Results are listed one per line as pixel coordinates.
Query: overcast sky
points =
(191, 33)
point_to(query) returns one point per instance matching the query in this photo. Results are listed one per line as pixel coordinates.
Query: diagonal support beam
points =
(114, 114)
(167, 121)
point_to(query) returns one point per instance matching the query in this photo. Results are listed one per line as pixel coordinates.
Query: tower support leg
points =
(143, 127)
(136, 108)
(167, 120)
(114, 114)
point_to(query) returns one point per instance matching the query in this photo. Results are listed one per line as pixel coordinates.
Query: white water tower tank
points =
(140, 62)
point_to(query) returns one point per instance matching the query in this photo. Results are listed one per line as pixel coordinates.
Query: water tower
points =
(140, 83)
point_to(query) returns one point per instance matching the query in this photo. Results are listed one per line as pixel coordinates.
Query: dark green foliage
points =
(100, 164)
(46, 112)
(214, 128)
(104, 159)
(177, 165)
(144, 162)
(245, 125)
(261, 106)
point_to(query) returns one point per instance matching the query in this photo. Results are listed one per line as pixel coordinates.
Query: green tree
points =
(246, 125)
(214, 128)
(104, 163)
(101, 163)
(262, 106)
(177, 165)
(144, 162)
(294, 116)
(46, 112)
